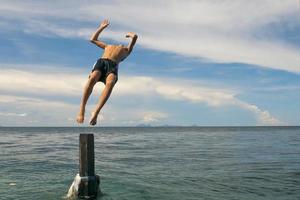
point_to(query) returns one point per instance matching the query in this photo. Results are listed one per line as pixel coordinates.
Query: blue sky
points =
(206, 63)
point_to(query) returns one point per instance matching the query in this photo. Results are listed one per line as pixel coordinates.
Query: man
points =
(104, 70)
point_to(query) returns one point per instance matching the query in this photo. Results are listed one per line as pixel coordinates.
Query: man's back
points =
(116, 53)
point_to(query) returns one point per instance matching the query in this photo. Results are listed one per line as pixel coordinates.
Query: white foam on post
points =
(73, 191)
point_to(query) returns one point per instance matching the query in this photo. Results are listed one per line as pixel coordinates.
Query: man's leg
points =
(110, 83)
(93, 78)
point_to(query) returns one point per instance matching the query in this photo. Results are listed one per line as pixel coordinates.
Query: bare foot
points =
(80, 118)
(93, 120)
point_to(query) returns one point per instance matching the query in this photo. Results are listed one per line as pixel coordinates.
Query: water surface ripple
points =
(171, 163)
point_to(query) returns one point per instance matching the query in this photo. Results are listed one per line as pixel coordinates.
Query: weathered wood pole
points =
(89, 184)
(86, 155)
(86, 183)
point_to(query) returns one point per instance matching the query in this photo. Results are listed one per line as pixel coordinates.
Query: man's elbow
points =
(92, 40)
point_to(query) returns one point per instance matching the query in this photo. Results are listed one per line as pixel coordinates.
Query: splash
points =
(73, 190)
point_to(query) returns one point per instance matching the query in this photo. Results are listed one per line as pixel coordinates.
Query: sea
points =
(154, 163)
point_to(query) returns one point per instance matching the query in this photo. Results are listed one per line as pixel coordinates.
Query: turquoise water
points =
(178, 163)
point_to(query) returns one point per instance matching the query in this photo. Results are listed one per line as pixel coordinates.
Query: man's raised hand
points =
(104, 24)
(131, 35)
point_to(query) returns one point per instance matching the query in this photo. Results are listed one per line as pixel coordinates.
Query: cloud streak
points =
(198, 95)
(216, 31)
(9, 114)
(27, 83)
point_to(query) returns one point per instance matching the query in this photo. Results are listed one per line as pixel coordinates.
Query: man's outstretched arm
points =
(134, 37)
(94, 38)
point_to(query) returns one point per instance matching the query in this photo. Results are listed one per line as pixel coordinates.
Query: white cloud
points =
(35, 111)
(9, 114)
(40, 83)
(263, 116)
(153, 116)
(218, 31)
(62, 83)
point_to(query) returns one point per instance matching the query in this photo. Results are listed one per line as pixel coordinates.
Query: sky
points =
(196, 62)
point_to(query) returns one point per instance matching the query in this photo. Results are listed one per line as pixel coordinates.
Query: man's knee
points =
(92, 81)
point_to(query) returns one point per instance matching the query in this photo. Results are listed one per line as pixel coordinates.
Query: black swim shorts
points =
(105, 66)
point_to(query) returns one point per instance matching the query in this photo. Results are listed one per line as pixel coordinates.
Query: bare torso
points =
(116, 53)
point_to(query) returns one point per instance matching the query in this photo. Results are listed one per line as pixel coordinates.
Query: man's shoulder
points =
(108, 46)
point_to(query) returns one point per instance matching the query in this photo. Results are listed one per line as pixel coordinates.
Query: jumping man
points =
(104, 70)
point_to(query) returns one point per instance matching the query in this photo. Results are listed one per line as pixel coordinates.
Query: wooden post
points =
(90, 183)
(86, 183)
(86, 155)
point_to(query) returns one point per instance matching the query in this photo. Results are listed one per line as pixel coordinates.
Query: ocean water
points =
(171, 163)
